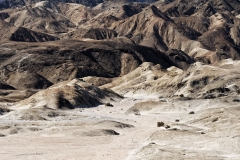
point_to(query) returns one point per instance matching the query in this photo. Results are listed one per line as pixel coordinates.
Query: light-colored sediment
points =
(213, 132)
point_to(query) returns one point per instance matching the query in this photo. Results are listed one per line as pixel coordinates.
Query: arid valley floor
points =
(109, 133)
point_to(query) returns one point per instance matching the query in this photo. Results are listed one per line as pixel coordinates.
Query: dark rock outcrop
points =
(40, 66)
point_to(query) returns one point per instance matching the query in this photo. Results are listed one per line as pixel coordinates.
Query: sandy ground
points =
(212, 132)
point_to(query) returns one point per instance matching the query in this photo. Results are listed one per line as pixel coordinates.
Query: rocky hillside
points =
(10, 32)
(207, 31)
(110, 39)
(4, 4)
(69, 95)
(64, 60)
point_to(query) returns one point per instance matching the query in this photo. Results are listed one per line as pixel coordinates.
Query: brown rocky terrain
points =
(39, 65)
(198, 81)
(70, 95)
(112, 13)
(76, 13)
(41, 17)
(4, 4)
(129, 79)
(164, 33)
(91, 33)
(10, 32)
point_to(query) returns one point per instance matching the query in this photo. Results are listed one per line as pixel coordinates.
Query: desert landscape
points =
(120, 80)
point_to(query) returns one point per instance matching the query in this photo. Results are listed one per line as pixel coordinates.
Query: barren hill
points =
(70, 95)
(204, 40)
(10, 32)
(198, 81)
(64, 60)
(19, 3)
(41, 17)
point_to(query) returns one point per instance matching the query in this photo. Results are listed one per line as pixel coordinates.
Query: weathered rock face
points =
(27, 80)
(205, 30)
(76, 13)
(5, 86)
(198, 81)
(19, 3)
(69, 95)
(91, 3)
(26, 35)
(10, 32)
(4, 15)
(40, 64)
(48, 17)
(206, 7)
(180, 59)
(108, 14)
(41, 17)
(155, 29)
(93, 33)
